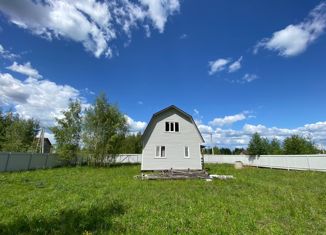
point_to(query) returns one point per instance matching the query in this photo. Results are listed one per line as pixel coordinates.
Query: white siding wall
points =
(174, 143)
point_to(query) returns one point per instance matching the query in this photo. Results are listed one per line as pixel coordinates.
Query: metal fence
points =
(314, 162)
(27, 161)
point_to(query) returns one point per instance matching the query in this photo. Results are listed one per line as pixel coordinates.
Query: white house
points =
(171, 140)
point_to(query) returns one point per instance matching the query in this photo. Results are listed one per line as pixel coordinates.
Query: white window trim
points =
(184, 152)
(169, 131)
(159, 157)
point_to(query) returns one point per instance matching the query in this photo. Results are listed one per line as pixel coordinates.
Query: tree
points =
(104, 128)
(131, 144)
(299, 145)
(225, 151)
(238, 151)
(275, 147)
(68, 132)
(258, 145)
(17, 134)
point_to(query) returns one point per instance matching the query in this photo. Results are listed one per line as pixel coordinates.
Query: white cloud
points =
(235, 65)
(25, 69)
(294, 39)
(140, 102)
(93, 23)
(159, 10)
(240, 138)
(36, 98)
(7, 54)
(217, 65)
(135, 126)
(249, 77)
(228, 120)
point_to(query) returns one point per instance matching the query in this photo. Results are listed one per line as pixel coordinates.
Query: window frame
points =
(159, 147)
(171, 127)
(188, 151)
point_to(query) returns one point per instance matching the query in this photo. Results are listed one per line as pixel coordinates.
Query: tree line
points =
(294, 144)
(97, 132)
(259, 145)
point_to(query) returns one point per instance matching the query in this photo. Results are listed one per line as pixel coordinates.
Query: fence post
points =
(307, 157)
(7, 162)
(46, 160)
(29, 162)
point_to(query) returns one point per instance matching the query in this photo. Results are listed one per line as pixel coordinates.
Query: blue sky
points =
(237, 67)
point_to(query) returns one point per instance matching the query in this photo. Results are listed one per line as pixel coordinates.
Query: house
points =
(171, 140)
(44, 146)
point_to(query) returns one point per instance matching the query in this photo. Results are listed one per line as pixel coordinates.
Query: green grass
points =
(110, 201)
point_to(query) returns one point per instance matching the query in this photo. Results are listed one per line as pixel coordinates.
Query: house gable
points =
(165, 114)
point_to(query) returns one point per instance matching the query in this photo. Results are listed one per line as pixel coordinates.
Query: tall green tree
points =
(296, 144)
(275, 147)
(131, 144)
(104, 129)
(17, 134)
(67, 132)
(258, 145)
(225, 151)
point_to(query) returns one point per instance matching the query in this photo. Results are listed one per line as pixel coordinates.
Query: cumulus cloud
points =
(159, 10)
(240, 138)
(135, 126)
(235, 65)
(36, 98)
(217, 65)
(25, 69)
(93, 23)
(228, 120)
(294, 39)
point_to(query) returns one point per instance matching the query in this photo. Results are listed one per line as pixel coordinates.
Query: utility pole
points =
(211, 134)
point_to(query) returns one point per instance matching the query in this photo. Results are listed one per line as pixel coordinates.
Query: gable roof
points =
(172, 107)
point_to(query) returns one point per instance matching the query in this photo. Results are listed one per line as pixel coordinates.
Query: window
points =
(186, 152)
(176, 128)
(167, 126)
(172, 126)
(157, 151)
(160, 152)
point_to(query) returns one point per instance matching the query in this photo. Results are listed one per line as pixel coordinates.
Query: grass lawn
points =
(110, 201)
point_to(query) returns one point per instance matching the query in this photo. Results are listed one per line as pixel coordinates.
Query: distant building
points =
(171, 140)
(47, 146)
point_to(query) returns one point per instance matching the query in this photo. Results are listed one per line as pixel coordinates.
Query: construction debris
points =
(182, 174)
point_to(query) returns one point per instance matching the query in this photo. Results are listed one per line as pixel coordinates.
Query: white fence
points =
(128, 158)
(315, 162)
(27, 161)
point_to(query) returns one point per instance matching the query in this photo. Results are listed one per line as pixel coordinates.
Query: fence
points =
(27, 161)
(289, 162)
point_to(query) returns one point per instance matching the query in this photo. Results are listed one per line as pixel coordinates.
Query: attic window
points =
(176, 126)
(171, 126)
(167, 126)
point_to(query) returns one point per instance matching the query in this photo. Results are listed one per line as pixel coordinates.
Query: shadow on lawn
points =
(69, 221)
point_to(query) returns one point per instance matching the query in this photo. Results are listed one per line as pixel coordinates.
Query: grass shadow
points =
(69, 221)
